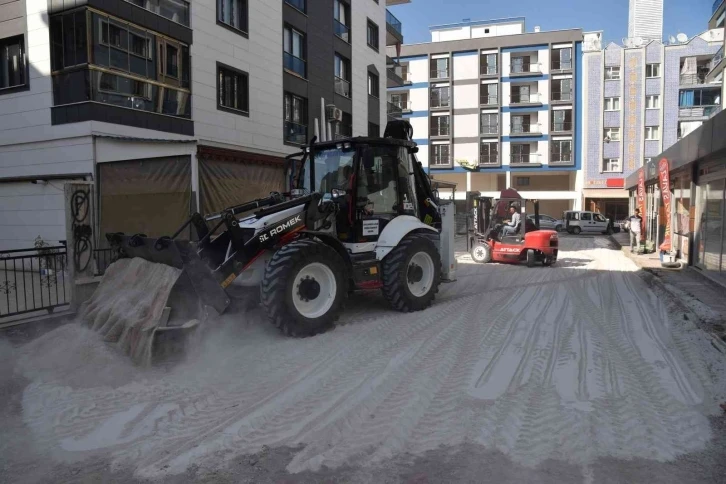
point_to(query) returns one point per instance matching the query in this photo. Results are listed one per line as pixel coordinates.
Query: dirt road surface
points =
(575, 373)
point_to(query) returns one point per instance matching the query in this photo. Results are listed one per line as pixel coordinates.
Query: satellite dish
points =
(682, 38)
(638, 41)
(607, 139)
(672, 39)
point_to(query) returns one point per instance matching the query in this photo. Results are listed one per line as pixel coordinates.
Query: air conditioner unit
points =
(333, 113)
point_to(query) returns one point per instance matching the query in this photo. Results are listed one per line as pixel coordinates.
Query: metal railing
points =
(525, 98)
(525, 128)
(33, 280)
(524, 158)
(404, 106)
(488, 159)
(560, 158)
(440, 131)
(487, 70)
(294, 64)
(406, 76)
(296, 133)
(562, 95)
(393, 22)
(394, 109)
(440, 160)
(342, 87)
(692, 79)
(341, 30)
(343, 131)
(561, 126)
(698, 111)
(298, 4)
(489, 129)
(440, 102)
(103, 258)
(488, 100)
(439, 73)
(526, 68)
(561, 65)
(175, 10)
(716, 59)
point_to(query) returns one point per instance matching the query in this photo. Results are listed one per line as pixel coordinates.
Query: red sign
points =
(615, 182)
(641, 200)
(665, 190)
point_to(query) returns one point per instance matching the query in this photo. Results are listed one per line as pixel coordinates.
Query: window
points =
(440, 125)
(298, 4)
(523, 94)
(68, 39)
(440, 155)
(372, 35)
(175, 10)
(613, 134)
(440, 97)
(344, 129)
(562, 59)
(652, 70)
(490, 123)
(440, 68)
(612, 104)
(521, 124)
(522, 181)
(296, 125)
(232, 90)
(611, 165)
(489, 64)
(699, 97)
(342, 75)
(652, 102)
(585, 216)
(652, 133)
(373, 85)
(612, 73)
(562, 90)
(378, 178)
(400, 100)
(561, 151)
(562, 120)
(293, 43)
(521, 65)
(489, 96)
(520, 153)
(233, 14)
(172, 61)
(341, 20)
(489, 154)
(374, 130)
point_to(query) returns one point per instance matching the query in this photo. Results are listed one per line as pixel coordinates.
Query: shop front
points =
(710, 237)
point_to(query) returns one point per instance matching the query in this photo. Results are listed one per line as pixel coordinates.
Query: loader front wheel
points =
(411, 274)
(304, 288)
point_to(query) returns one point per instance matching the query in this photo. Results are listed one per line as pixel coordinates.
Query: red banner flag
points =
(665, 190)
(641, 201)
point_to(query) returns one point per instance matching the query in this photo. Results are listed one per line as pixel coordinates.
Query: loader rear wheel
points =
(411, 274)
(304, 288)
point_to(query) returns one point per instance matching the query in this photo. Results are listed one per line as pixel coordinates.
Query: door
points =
(710, 235)
(599, 223)
(586, 222)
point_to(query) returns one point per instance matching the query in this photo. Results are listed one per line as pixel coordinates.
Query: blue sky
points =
(611, 16)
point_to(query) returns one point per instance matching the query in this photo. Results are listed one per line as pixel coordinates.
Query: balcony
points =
(394, 79)
(488, 159)
(342, 87)
(440, 160)
(394, 29)
(561, 126)
(698, 111)
(488, 100)
(394, 110)
(562, 96)
(294, 64)
(174, 10)
(558, 65)
(525, 99)
(487, 70)
(341, 30)
(693, 79)
(296, 133)
(525, 160)
(716, 66)
(525, 129)
(525, 69)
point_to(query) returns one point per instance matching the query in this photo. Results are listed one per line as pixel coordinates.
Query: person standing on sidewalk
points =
(635, 224)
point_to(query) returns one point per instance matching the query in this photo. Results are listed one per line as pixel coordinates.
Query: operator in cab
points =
(511, 226)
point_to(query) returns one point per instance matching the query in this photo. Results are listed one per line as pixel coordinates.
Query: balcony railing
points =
(439, 73)
(716, 4)
(560, 158)
(487, 70)
(561, 65)
(394, 109)
(716, 58)
(342, 87)
(693, 79)
(298, 4)
(526, 68)
(440, 131)
(343, 131)
(440, 102)
(294, 64)
(489, 129)
(561, 126)
(532, 98)
(488, 100)
(175, 10)
(341, 30)
(698, 111)
(562, 95)
(438, 159)
(403, 106)
(521, 129)
(393, 22)
(516, 159)
(488, 159)
(296, 133)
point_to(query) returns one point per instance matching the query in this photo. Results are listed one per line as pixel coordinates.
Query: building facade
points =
(172, 106)
(645, 19)
(493, 106)
(641, 100)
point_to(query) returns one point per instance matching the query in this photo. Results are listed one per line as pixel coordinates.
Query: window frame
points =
(490, 153)
(613, 100)
(611, 70)
(438, 90)
(606, 164)
(245, 12)
(435, 120)
(433, 153)
(559, 51)
(377, 84)
(345, 71)
(653, 130)
(651, 67)
(304, 115)
(347, 24)
(303, 46)
(612, 130)
(233, 70)
(370, 24)
(652, 96)
(560, 151)
(489, 117)
(566, 123)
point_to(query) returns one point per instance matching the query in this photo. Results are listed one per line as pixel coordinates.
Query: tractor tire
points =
(304, 288)
(576, 230)
(412, 274)
(481, 253)
(531, 259)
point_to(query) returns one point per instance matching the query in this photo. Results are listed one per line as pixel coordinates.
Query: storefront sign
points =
(641, 200)
(665, 190)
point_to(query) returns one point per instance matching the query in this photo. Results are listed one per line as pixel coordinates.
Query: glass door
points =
(710, 244)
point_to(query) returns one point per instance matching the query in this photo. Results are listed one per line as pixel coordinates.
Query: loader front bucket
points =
(153, 299)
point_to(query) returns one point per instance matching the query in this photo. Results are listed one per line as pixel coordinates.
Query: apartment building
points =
(172, 106)
(493, 106)
(642, 97)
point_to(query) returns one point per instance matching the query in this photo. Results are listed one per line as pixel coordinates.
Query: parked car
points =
(577, 222)
(548, 222)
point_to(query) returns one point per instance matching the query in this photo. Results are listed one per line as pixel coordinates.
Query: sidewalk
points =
(709, 304)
